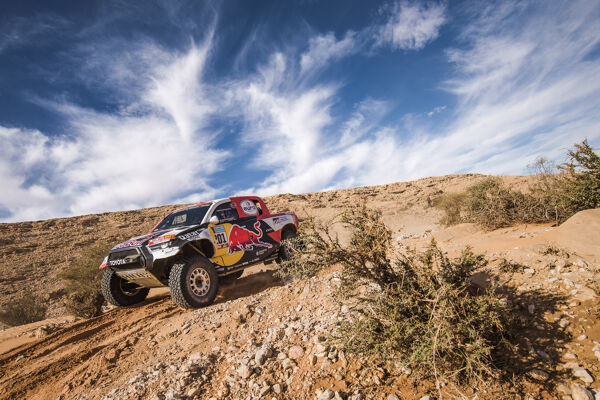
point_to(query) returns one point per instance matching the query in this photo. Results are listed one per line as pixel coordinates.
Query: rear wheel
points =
(120, 292)
(193, 282)
(286, 250)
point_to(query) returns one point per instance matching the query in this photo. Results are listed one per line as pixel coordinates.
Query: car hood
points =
(143, 239)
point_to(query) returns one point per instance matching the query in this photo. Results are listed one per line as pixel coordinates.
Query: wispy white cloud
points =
(155, 149)
(324, 49)
(412, 25)
(520, 93)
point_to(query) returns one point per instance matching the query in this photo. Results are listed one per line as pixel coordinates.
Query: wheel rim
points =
(128, 288)
(199, 282)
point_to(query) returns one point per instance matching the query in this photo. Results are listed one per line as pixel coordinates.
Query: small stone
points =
(41, 332)
(193, 392)
(581, 337)
(530, 271)
(261, 355)
(539, 374)
(531, 308)
(392, 397)
(345, 309)
(582, 374)
(544, 355)
(277, 389)
(287, 363)
(426, 398)
(295, 352)
(564, 389)
(244, 371)
(313, 360)
(563, 323)
(570, 356)
(264, 391)
(579, 392)
(326, 395)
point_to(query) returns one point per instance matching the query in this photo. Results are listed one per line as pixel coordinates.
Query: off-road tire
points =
(226, 279)
(193, 282)
(286, 252)
(115, 290)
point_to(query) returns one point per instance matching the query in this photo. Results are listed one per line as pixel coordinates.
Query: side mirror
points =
(214, 220)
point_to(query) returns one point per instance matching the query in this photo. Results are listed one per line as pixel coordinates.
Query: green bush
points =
(491, 204)
(418, 309)
(582, 190)
(82, 282)
(25, 310)
(557, 194)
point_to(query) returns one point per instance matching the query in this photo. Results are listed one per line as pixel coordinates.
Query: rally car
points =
(194, 248)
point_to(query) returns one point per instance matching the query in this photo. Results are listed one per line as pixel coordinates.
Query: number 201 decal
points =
(220, 236)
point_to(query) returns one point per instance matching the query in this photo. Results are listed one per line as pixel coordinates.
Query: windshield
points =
(187, 217)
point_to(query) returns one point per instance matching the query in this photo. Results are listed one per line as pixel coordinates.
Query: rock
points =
(111, 355)
(41, 332)
(172, 395)
(563, 323)
(570, 356)
(579, 392)
(564, 389)
(581, 337)
(277, 389)
(295, 352)
(392, 397)
(263, 354)
(264, 391)
(319, 349)
(244, 371)
(287, 363)
(539, 374)
(544, 355)
(582, 374)
(325, 395)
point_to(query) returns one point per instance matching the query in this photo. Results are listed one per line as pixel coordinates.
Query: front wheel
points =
(120, 292)
(193, 282)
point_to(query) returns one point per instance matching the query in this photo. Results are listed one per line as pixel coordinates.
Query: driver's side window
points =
(226, 212)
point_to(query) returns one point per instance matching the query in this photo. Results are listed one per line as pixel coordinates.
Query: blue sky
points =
(115, 105)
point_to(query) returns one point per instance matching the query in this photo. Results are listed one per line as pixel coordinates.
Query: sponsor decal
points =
(129, 243)
(241, 239)
(249, 207)
(191, 235)
(120, 261)
(220, 236)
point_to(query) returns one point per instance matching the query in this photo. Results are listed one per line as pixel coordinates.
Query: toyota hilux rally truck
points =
(195, 247)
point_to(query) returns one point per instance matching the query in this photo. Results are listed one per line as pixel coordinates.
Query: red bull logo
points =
(241, 239)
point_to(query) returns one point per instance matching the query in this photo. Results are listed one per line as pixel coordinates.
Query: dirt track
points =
(79, 356)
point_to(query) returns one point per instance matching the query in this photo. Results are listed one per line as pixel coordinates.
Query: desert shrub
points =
(582, 190)
(82, 282)
(416, 308)
(491, 204)
(557, 193)
(25, 310)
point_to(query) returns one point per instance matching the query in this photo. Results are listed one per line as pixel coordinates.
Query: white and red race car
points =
(195, 247)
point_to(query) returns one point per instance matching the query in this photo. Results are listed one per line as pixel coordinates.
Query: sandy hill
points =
(263, 338)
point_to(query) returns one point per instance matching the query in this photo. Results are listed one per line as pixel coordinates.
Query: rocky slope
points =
(264, 338)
